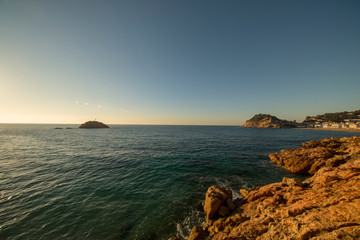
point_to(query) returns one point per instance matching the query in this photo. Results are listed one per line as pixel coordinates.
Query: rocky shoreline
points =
(324, 206)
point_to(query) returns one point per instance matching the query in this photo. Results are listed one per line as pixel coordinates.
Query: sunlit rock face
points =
(324, 206)
(215, 198)
(329, 152)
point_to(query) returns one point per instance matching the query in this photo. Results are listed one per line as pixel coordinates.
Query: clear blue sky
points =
(177, 62)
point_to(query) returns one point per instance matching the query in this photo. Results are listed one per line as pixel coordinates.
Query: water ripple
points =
(127, 182)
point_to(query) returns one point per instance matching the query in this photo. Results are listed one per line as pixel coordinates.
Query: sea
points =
(129, 182)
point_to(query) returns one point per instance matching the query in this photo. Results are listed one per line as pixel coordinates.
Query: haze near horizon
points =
(177, 62)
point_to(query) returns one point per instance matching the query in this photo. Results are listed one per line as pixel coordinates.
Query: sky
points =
(177, 61)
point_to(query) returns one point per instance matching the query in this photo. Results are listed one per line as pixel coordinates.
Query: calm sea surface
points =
(128, 182)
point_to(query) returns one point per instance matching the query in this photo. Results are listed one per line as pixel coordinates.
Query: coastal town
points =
(348, 120)
(339, 120)
(319, 123)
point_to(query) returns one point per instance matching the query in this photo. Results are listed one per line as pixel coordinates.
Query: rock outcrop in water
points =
(317, 154)
(324, 206)
(268, 121)
(93, 124)
(218, 202)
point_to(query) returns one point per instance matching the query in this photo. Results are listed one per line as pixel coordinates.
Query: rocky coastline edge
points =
(324, 206)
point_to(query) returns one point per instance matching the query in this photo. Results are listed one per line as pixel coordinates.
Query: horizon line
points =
(132, 124)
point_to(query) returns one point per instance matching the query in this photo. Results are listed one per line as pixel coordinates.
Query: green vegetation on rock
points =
(268, 121)
(334, 117)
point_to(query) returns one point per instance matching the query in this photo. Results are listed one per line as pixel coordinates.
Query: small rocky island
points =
(268, 121)
(93, 124)
(324, 206)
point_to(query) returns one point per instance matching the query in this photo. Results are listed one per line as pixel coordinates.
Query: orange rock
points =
(291, 182)
(224, 211)
(326, 206)
(215, 197)
(244, 192)
(317, 154)
(197, 233)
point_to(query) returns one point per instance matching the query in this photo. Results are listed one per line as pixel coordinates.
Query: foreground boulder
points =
(324, 206)
(215, 199)
(93, 124)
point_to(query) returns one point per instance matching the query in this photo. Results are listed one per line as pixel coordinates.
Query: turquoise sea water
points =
(128, 182)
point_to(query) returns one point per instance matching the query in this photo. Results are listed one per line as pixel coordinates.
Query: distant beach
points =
(334, 129)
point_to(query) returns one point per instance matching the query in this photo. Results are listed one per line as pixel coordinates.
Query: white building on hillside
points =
(353, 125)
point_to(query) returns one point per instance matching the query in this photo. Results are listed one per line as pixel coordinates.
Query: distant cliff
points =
(268, 121)
(93, 124)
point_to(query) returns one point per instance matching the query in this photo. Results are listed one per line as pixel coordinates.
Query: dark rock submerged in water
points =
(93, 124)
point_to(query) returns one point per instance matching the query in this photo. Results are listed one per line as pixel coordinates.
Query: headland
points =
(268, 121)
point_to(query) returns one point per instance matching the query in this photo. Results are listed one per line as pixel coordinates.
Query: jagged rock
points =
(302, 160)
(316, 154)
(223, 224)
(329, 207)
(197, 233)
(215, 197)
(244, 192)
(93, 124)
(292, 182)
(268, 121)
(326, 207)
